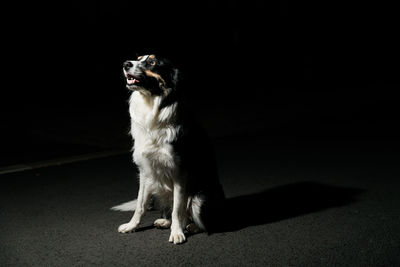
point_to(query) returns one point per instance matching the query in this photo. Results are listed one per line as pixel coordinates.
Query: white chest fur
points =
(153, 131)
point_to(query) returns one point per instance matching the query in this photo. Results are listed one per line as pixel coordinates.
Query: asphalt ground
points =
(287, 206)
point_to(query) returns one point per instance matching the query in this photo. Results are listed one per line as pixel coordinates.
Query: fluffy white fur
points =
(153, 129)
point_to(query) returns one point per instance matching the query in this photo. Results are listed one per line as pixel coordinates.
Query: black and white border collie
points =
(174, 157)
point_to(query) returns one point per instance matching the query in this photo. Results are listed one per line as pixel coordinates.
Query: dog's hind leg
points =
(195, 210)
(142, 202)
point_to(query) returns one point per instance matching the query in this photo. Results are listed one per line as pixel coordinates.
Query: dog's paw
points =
(162, 223)
(127, 227)
(177, 237)
(192, 228)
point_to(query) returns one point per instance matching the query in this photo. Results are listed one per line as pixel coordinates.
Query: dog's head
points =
(150, 74)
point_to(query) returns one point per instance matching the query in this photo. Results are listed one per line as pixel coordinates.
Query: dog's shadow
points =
(281, 203)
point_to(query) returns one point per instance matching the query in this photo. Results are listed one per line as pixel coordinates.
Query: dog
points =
(173, 154)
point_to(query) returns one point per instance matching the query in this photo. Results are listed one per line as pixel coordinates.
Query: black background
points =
(309, 64)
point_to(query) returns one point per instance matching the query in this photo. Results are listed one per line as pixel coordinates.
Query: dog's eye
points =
(153, 62)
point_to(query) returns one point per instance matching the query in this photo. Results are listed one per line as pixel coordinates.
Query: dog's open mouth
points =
(132, 80)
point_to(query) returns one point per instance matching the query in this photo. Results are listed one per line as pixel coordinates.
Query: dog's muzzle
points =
(133, 71)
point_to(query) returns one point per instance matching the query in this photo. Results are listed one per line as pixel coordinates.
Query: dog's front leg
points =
(179, 215)
(141, 204)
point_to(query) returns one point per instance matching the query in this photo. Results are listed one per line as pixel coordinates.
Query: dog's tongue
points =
(133, 81)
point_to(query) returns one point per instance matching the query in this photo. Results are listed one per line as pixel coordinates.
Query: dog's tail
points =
(127, 206)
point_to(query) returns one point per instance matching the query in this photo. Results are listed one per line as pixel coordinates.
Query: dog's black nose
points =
(127, 65)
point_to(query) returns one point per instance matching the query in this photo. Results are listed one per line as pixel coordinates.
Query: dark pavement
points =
(288, 206)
